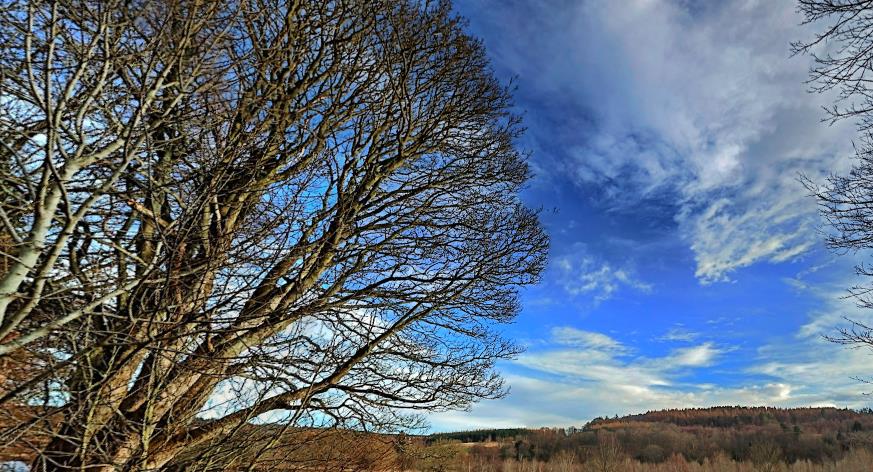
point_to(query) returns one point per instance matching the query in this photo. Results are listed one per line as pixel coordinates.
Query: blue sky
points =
(686, 268)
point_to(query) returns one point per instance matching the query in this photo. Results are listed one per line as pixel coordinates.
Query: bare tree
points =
(564, 461)
(843, 58)
(842, 52)
(219, 214)
(608, 455)
(766, 456)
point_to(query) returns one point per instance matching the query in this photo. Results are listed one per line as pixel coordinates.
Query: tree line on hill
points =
(739, 434)
(733, 416)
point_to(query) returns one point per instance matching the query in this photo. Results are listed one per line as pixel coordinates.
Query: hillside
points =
(821, 419)
(753, 435)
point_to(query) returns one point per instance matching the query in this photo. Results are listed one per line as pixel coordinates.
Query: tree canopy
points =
(219, 212)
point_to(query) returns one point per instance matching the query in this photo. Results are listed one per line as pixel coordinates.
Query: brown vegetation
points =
(724, 438)
(743, 439)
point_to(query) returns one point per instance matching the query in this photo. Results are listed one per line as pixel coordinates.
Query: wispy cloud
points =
(571, 386)
(577, 375)
(695, 356)
(699, 104)
(697, 111)
(591, 374)
(579, 273)
(735, 123)
(569, 336)
(835, 306)
(678, 334)
(589, 356)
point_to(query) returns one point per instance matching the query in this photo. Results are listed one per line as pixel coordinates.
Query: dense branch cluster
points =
(842, 52)
(843, 61)
(216, 212)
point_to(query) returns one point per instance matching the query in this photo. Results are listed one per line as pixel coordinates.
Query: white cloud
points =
(569, 336)
(707, 109)
(538, 402)
(580, 374)
(819, 372)
(699, 102)
(582, 274)
(720, 89)
(725, 238)
(696, 356)
(595, 357)
(835, 306)
(591, 374)
(678, 334)
(586, 387)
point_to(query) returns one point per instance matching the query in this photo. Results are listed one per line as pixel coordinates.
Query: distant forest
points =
(752, 435)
